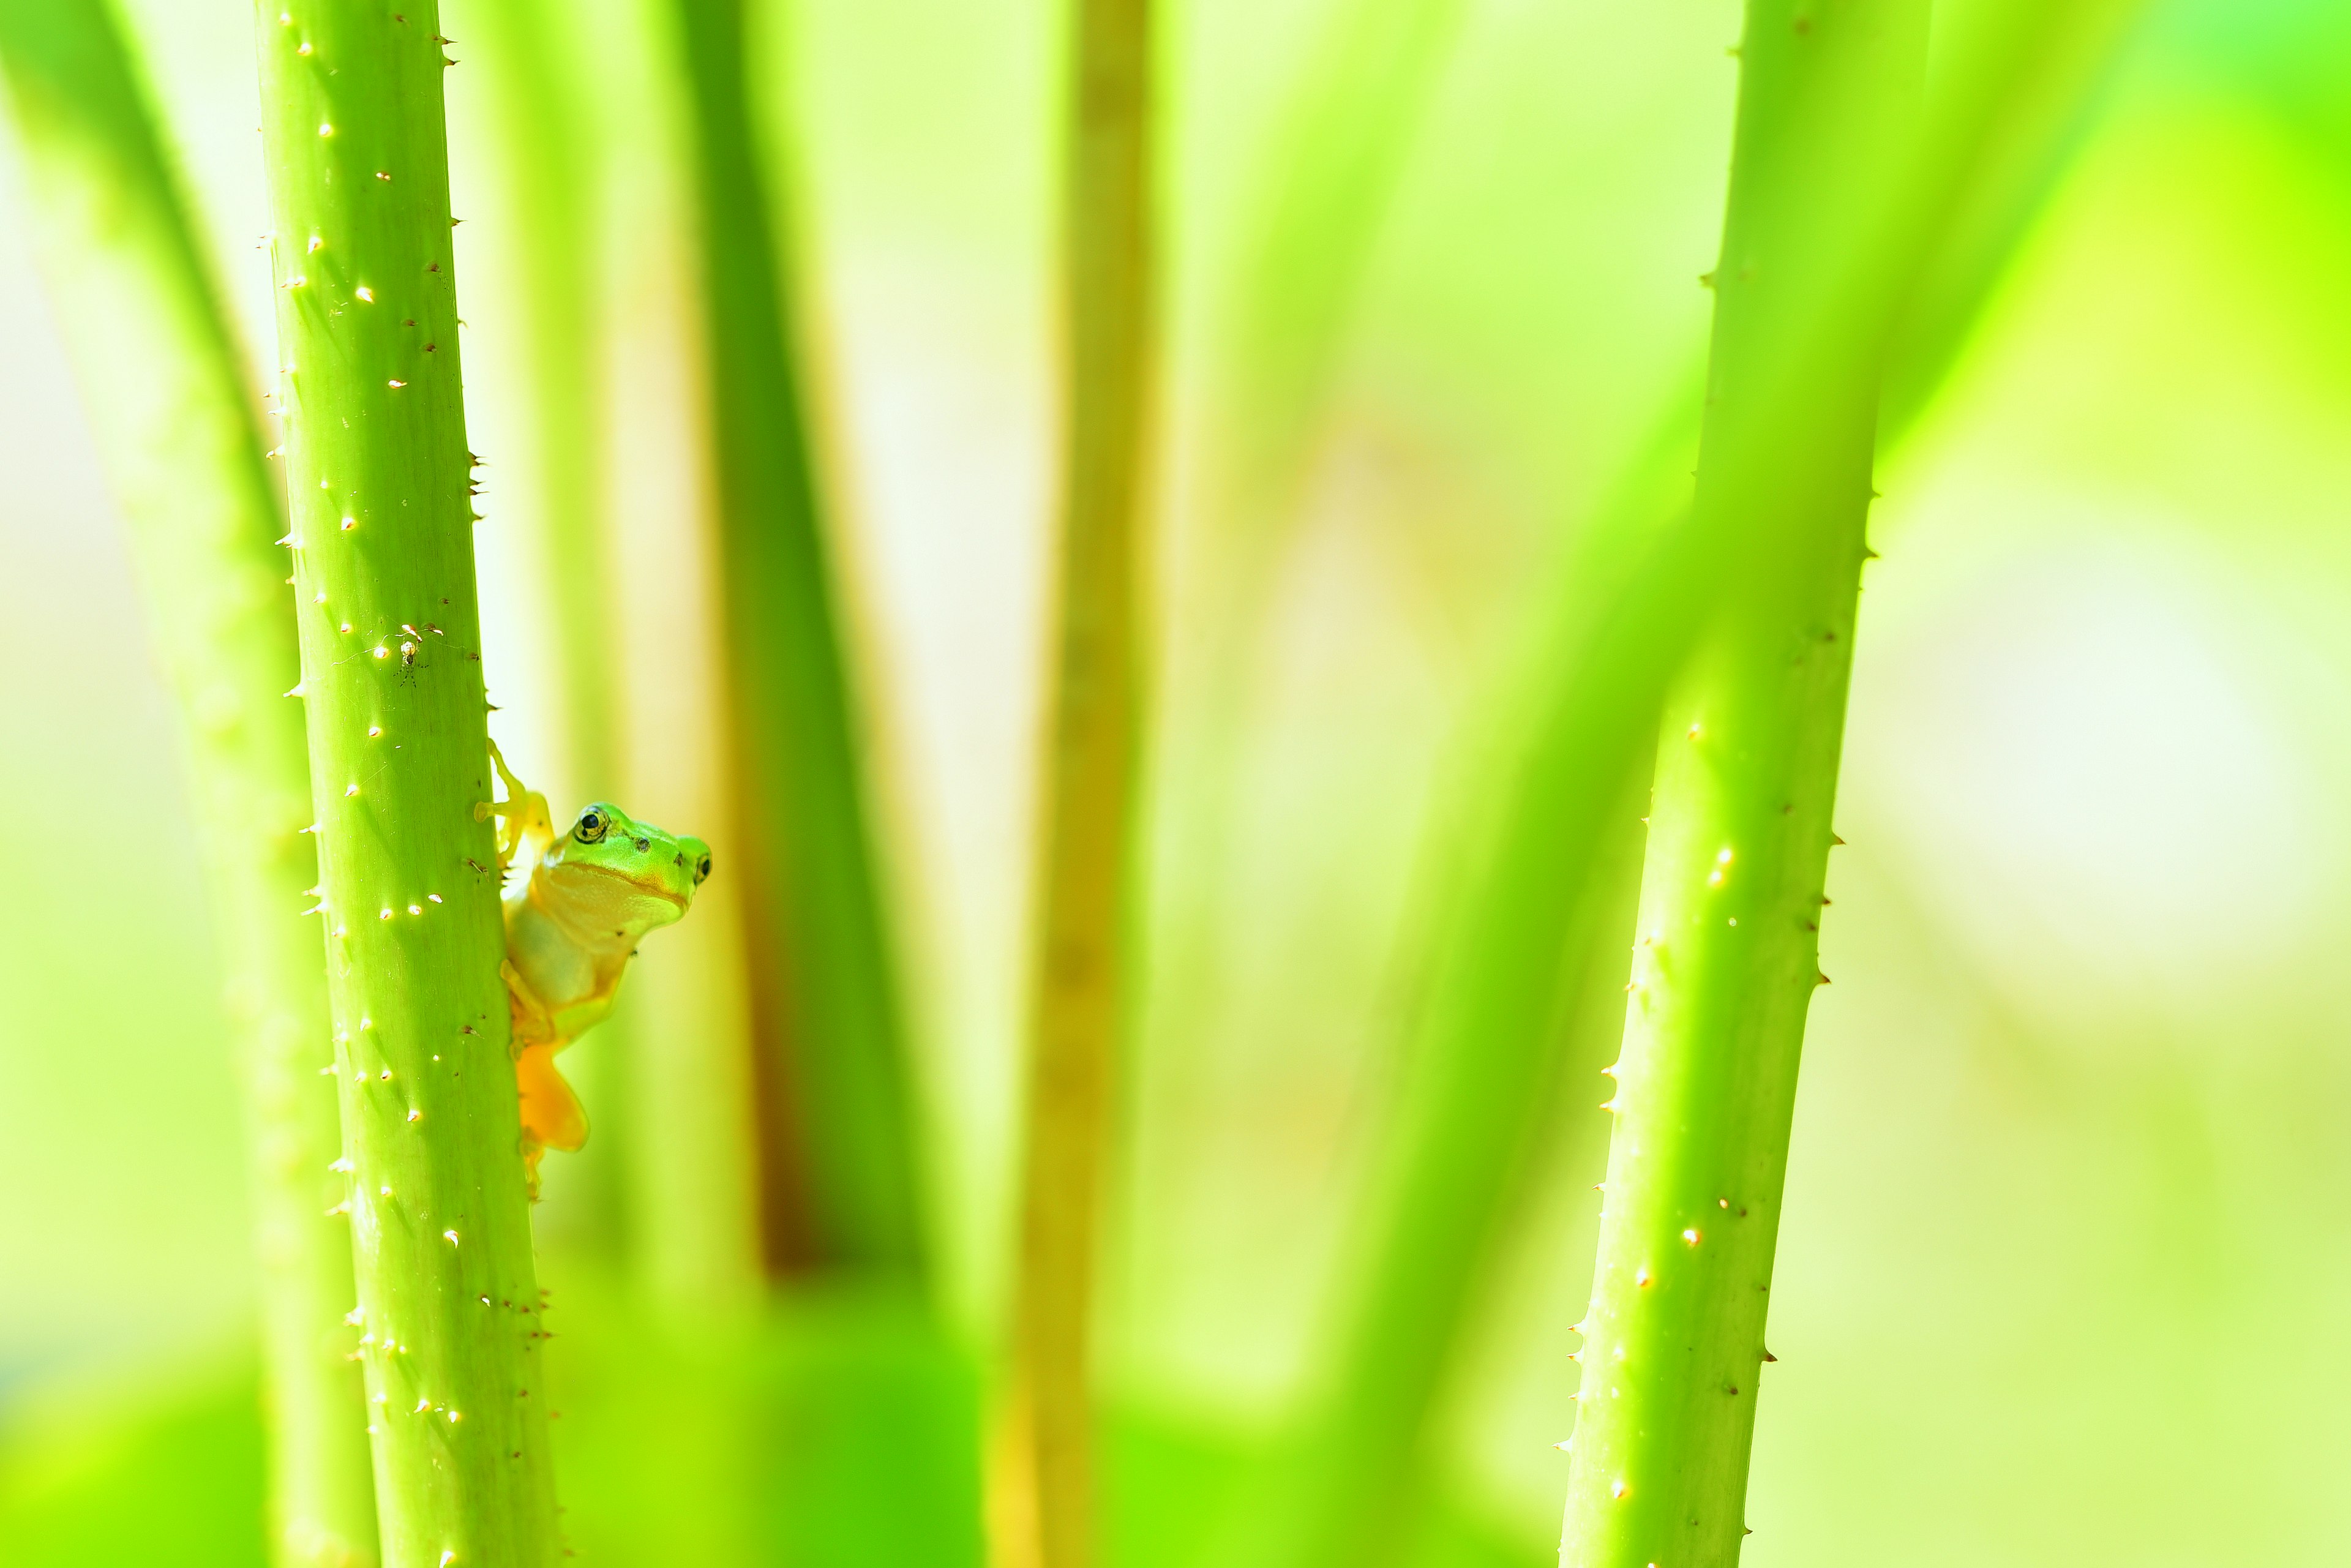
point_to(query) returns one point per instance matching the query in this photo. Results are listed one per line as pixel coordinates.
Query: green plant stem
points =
(842, 1176)
(377, 475)
(1727, 947)
(1044, 1502)
(168, 401)
(1622, 616)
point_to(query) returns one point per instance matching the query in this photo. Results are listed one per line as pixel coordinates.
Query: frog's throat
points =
(592, 930)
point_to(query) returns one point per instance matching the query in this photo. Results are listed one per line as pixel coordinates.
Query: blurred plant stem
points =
(841, 1172)
(378, 477)
(1325, 189)
(548, 182)
(1534, 918)
(2045, 111)
(1727, 946)
(1541, 914)
(1042, 1500)
(547, 161)
(1284, 300)
(168, 401)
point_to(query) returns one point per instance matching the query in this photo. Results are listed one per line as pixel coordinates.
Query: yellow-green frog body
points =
(583, 900)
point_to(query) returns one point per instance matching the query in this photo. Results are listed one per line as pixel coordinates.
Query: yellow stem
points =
(1042, 1499)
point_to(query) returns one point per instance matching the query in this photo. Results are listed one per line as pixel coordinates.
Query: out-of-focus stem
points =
(1725, 953)
(1322, 187)
(842, 1176)
(549, 180)
(545, 153)
(1540, 908)
(2028, 148)
(1043, 1494)
(692, 1121)
(1326, 185)
(1621, 619)
(377, 474)
(168, 401)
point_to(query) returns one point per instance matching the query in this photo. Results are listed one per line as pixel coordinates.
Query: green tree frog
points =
(573, 923)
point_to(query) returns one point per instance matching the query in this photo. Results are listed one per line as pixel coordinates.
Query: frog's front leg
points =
(526, 826)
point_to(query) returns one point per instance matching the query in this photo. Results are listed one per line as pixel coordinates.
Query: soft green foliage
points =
(839, 1428)
(843, 1181)
(1728, 928)
(173, 1477)
(165, 381)
(377, 475)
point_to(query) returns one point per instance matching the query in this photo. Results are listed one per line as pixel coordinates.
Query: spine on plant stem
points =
(381, 530)
(170, 407)
(842, 1179)
(1725, 955)
(1042, 1492)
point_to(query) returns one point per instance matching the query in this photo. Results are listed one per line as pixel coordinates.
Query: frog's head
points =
(611, 878)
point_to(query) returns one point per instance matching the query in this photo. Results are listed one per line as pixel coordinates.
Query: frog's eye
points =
(591, 827)
(701, 870)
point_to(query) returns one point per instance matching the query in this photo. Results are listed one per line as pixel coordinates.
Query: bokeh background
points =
(2068, 1238)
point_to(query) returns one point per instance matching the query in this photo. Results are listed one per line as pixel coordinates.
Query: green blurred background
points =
(2068, 1235)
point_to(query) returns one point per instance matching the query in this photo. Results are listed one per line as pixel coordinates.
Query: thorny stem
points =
(1042, 1499)
(1705, 1085)
(1622, 617)
(1725, 957)
(842, 1179)
(167, 398)
(377, 474)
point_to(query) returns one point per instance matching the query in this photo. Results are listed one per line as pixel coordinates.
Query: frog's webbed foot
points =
(552, 1114)
(525, 823)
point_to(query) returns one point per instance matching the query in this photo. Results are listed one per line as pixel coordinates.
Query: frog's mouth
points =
(642, 889)
(597, 899)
